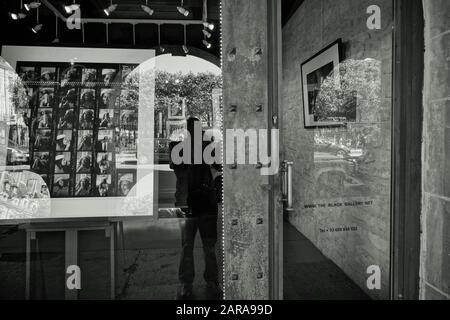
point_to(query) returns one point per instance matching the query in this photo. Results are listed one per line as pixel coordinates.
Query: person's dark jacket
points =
(195, 188)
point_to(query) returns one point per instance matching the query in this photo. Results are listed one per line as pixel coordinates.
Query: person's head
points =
(6, 186)
(125, 187)
(105, 98)
(85, 162)
(60, 183)
(192, 122)
(85, 183)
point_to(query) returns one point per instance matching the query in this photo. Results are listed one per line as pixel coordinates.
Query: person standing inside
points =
(196, 196)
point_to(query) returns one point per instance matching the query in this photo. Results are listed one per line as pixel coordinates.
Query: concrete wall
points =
(435, 249)
(246, 230)
(368, 70)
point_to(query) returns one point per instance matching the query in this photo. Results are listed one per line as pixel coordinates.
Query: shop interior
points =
(92, 94)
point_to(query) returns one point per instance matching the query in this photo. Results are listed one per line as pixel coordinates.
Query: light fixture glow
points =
(207, 44)
(36, 28)
(19, 15)
(147, 9)
(112, 7)
(71, 8)
(32, 5)
(208, 25)
(182, 10)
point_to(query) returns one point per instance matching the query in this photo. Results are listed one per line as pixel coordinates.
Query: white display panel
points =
(140, 202)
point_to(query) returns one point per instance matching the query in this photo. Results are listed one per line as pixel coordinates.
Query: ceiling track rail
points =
(122, 21)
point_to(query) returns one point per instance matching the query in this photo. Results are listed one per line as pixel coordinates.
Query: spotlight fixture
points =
(32, 5)
(37, 28)
(73, 7)
(181, 9)
(38, 25)
(112, 7)
(19, 15)
(185, 49)
(147, 9)
(208, 25)
(207, 34)
(207, 44)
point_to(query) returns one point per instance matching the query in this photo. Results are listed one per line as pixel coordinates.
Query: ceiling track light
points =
(208, 25)
(182, 10)
(32, 5)
(147, 9)
(38, 25)
(112, 7)
(206, 33)
(207, 44)
(73, 7)
(18, 15)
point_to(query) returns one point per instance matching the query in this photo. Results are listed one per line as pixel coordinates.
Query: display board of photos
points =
(83, 127)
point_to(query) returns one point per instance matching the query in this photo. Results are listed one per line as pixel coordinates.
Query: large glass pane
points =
(337, 68)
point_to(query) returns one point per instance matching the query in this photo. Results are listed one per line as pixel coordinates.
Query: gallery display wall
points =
(79, 128)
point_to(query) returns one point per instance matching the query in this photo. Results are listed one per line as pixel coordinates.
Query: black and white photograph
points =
(125, 183)
(83, 185)
(110, 77)
(41, 162)
(129, 119)
(66, 119)
(86, 121)
(28, 74)
(104, 186)
(69, 99)
(126, 71)
(43, 141)
(84, 162)
(48, 75)
(64, 140)
(63, 162)
(106, 118)
(104, 163)
(85, 140)
(105, 141)
(89, 77)
(70, 77)
(88, 99)
(46, 97)
(177, 110)
(108, 98)
(45, 118)
(321, 69)
(61, 185)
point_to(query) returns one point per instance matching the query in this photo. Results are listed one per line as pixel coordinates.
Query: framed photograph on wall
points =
(320, 81)
(177, 110)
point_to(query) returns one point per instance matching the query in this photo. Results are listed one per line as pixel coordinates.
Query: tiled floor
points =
(309, 275)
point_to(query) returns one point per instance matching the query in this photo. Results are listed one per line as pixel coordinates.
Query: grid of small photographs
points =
(84, 124)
